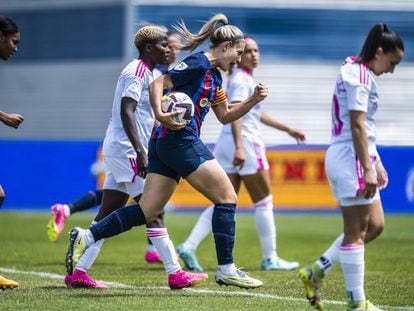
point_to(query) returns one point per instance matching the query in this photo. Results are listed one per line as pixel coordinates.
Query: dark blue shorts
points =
(176, 157)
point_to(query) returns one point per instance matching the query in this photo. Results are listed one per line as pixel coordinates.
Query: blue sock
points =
(224, 229)
(119, 221)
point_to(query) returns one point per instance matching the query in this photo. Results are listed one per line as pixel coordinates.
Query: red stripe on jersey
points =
(204, 94)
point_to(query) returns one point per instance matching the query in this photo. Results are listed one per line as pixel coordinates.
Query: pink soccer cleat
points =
(152, 257)
(56, 222)
(80, 279)
(182, 279)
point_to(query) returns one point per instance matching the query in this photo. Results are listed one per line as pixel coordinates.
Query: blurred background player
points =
(9, 39)
(176, 150)
(174, 46)
(125, 154)
(354, 167)
(242, 154)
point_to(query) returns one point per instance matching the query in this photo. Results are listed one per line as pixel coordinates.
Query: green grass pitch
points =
(38, 265)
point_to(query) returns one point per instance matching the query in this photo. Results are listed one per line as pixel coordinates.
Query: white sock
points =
(201, 229)
(353, 267)
(266, 228)
(89, 239)
(91, 253)
(151, 248)
(161, 240)
(66, 210)
(228, 269)
(331, 256)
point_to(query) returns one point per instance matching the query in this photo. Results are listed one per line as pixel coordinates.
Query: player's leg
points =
(2, 196)
(60, 212)
(211, 180)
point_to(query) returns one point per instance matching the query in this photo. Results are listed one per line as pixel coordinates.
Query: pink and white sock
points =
(161, 240)
(91, 253)
(351, 257)
(265, 226)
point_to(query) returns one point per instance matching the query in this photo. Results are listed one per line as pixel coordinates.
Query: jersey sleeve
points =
(237, 90)
(188, 71)
(358, 87)
(132, 87)
(220, 97)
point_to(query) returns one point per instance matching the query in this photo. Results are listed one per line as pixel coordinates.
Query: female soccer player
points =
(175, 150)
(9, 39)
(125, 153)
(242, 154)
(353, 166)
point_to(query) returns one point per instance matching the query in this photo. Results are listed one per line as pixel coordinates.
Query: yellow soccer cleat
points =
(7, 284)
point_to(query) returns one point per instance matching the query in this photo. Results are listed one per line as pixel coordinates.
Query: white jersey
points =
(355, 90)
(133, 82)
(241, 86)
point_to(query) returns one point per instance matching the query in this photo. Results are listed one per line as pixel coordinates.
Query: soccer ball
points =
(178, 101)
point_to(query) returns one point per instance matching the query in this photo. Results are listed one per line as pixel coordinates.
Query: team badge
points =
(204, 102)
(181, 66)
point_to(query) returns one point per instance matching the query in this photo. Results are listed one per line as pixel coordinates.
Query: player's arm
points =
(236, 126)
(156, 89)
(360, 140)
(11, 119)
(268, 120)
(128, 107)
(226, 115)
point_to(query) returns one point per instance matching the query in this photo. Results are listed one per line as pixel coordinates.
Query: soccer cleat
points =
(311, 277)
(279, 264)
(189, 258)
(363, 305)
(76, 248)
(56, 222)
(7, 284)
(80, 279)
(182, 279)
(152, 257)
(239, 278)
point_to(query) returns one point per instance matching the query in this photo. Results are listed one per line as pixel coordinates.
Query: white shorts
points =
(255, 152)
(345, 174)
(121, 175)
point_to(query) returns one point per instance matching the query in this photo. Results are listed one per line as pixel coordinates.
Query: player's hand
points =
(12, 119)
(382, 175)
(370, 184)
(239, 158)
(142, 163)
(260, 92)
(298, 135)
(166, 118)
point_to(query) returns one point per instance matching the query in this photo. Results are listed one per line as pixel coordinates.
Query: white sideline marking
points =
(197, 291)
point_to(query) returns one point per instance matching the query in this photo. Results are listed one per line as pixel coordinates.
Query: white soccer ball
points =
(178, 101)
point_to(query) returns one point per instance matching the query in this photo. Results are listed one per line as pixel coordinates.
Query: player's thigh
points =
(111, 201)
(211, 181)
(235, 180)
(258, 185)
(158, 189)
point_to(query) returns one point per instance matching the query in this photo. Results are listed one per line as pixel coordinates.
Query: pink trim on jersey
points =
(157, 233)
(259, 156)
(363, 74)
(134, 167)
(360, 173)
(141, 69)
(246, 71)
(352, 246)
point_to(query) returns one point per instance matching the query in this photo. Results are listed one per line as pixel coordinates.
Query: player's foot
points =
(7, 284)
(239, 278)
(279, 264)
(364, 305)
(56, 222)
(182, 279)
(189, 258)
(152, 257)
(80, 279)
(77, 247)
(311, 277)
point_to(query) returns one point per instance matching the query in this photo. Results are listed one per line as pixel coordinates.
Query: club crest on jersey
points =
(181, 66)
(204, 102)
